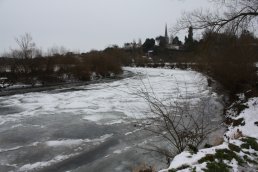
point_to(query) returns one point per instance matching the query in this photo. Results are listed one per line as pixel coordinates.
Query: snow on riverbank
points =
(107, 103)
(250, 118)
(238, 152)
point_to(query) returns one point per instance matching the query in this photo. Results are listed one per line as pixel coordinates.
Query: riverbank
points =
(238, 151)
(65, 86)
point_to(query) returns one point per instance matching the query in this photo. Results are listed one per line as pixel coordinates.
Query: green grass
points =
(193, 149)
(245, 146)
(241, 107)
(238, 122)
(247, 159)
(207, 145)
(216, 167)
(249, 142)
(183, 167)
(234, 148)
(225, 154)
(208, 157)
(215, 162)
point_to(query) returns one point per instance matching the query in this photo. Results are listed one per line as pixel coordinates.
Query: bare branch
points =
(179, 121)
(238, 16)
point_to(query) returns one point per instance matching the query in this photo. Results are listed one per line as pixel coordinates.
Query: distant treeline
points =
(225, 57)
(60, 68)
(231, 60)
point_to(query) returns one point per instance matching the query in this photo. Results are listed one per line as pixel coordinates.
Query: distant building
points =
(150, 53)
(173, 47)
(166, 34)
(170, 44)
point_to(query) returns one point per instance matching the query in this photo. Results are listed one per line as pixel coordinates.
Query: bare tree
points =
(24, 54)
(237, 15)
(55, 50)
(179, 121)
(27, 46)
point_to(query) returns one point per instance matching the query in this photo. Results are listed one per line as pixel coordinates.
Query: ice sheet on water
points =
(75, 142)
(38, 165)
(103, 98)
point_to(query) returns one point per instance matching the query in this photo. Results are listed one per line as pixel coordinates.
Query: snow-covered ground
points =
(250, 116)
(240, 145)
(43, 129)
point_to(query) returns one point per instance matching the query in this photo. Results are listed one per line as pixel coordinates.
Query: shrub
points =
(229, 59)
(216, 167)
(249, 142)
(193, 148)
(238, 122)
(234, 147)
(208, 157)
(225, 154)
(207, 145)
(183, 167)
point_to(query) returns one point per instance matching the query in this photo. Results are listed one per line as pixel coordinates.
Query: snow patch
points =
(76, 142)
(250, 129)
(186, 158)
(38, 165)
(68, 142)
(250, 116)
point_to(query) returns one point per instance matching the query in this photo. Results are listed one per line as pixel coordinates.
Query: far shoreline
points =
(65, 86)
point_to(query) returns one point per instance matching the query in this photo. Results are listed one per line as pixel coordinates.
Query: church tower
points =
(166, 34)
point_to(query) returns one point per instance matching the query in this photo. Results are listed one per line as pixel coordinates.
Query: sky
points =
(84, 25)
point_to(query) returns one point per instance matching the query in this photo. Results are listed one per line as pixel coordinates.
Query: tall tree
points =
(148, 44)
(176, 41)
(189, 41)
(238, 15)
(190, 34)
(26, 45)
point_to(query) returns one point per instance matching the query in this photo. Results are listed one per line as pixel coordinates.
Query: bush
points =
(208, 157)
(52, 69)
(225, 154)
(249, 142)
(216, 167)
(234, 147)
(207, 145)
(229, 60)
(193, 148)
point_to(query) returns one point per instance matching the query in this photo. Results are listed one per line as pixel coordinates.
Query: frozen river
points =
(90, 128)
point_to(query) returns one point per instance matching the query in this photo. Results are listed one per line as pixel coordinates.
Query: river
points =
(90, 128)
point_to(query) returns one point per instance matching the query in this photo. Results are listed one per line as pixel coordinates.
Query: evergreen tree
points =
(148, 44)
(176, 41)
(190, 35)
(162, 41)
(189, 41)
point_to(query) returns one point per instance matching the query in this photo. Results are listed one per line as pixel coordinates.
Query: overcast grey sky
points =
(88, 24)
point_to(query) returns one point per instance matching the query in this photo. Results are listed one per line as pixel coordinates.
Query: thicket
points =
(59, 68)
(230, 60)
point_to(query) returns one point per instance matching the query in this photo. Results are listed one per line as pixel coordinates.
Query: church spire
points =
(166, 34)
(166, 31)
